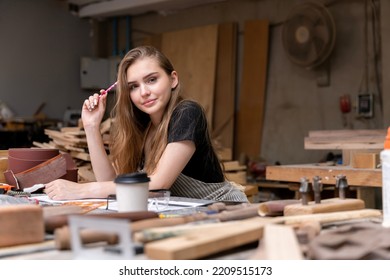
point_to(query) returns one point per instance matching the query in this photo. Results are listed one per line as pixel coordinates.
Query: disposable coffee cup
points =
(132, 191)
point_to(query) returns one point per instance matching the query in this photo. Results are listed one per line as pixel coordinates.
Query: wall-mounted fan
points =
(309, 34)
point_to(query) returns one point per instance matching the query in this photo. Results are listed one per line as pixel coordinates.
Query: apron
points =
(185, 186)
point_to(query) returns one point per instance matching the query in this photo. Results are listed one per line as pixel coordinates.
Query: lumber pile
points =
(3, 164)
(360, 151)
(72, 140)
(360, 148)
(237, 173)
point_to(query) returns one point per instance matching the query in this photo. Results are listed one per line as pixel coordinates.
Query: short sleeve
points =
(187, 123)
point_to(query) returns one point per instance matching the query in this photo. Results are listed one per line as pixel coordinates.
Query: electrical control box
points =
(94, 73)
(98, 73)
(365, 105)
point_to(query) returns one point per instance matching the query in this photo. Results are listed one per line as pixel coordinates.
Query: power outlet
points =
(365, 105)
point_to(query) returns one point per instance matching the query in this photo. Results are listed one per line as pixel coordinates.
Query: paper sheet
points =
(113, 205)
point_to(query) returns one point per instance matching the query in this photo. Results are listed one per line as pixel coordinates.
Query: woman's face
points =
(150, 87)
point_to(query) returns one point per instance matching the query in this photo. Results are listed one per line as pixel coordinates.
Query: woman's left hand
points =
(61, 189)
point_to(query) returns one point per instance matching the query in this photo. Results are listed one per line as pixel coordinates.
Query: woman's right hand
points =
(93, 109)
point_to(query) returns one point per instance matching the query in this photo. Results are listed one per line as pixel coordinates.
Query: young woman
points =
(155, 131)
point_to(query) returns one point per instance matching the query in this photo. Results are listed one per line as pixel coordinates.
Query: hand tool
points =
(220, 206)
(4, 188)
(275, 207)
(123, 248)
(186, 211)
(317, 188)
(341, 185)
(304, 190)
(153, 234)
(62, 235)
(198, 245)
(63, 239)
(56, 221)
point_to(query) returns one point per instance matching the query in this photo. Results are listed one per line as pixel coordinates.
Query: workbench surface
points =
(356, 177)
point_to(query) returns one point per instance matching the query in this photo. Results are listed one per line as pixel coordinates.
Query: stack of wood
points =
(3, 164)
(360, 148)
(237, 173)
(72, 140)
(360, 151)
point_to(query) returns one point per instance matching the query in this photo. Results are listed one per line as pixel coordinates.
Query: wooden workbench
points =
(356, 176)
(360, 158)
(363, 180)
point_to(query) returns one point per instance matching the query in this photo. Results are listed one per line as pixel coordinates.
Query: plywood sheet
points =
(252, 93)
(225, 98)
(193, 53)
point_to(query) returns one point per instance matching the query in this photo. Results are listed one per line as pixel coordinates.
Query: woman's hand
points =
(93, 110)
(63, 190)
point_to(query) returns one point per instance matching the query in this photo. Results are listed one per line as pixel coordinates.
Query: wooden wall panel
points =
(193, 53)
(225, 98)
(250, 113)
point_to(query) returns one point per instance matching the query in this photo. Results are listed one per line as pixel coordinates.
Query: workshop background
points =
(50, 49)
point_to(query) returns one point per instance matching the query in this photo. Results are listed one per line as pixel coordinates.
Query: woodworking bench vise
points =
(319, 205)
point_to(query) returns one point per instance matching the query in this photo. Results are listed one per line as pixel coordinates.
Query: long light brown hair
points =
(128, 131)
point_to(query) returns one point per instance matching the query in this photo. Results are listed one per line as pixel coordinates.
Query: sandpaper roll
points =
(21, 159)
(57, 221)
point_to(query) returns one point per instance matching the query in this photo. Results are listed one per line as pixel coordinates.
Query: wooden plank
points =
(250, 113)
(32, 248)
(326, 206)
(280, 243)
(86, 173)
(153, 40)
(344, 143)
(82, 156)
(77, 131)
(368, 195)
(233, 166)
(365, 160)
(251, 190)
(347, 133)
(201, 244)
(3, 167)
(105, 126)
(330, 217)
(225, 98)
(355, 177)
(224, 154)
(4, 153)
(348, 155)
(236, 177)
(193, 53)
(21, 224)
(356, 139)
